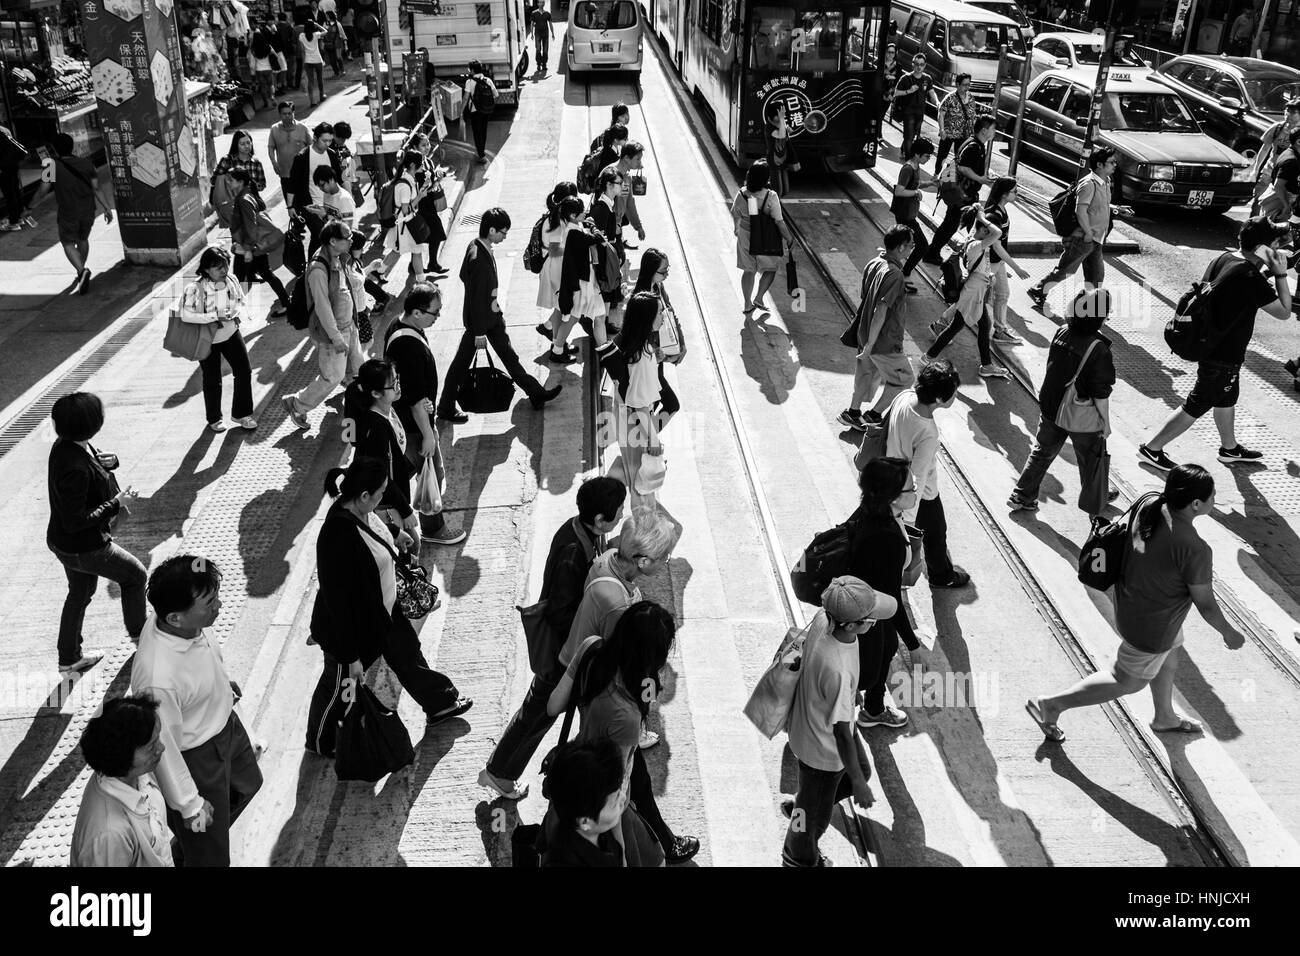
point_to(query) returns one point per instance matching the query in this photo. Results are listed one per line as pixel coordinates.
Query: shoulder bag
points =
(1077, 415)
(485, 388)
(416, 596)
(188, 340)
(764, 236)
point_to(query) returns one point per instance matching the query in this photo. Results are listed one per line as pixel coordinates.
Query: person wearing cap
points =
(832, 761)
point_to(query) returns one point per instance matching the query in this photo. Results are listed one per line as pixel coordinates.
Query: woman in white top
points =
(399, 241)
(648, 404)
(217, 299)
(753, 199)
(313, 62)
(356, 618)
(564, 212)
(261, 52)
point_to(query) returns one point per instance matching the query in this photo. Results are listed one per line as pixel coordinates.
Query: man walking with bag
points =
(484, 323)
(1084, 246)
(972, 158)
(333, 323)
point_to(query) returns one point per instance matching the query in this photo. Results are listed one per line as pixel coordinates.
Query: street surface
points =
(756, 466)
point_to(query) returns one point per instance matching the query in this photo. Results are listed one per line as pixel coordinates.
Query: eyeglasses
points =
(395, 387)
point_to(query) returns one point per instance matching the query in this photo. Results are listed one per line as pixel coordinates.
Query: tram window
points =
(862, 38)
(771, 38)
(822, 36)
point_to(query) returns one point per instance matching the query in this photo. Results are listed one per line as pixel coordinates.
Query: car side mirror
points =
(1147, 64)
(1230, 103)
(1062, 63)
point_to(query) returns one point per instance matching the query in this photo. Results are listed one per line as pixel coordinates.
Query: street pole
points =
(997, 98)
(1259, 31)
(1099, 93)
(373, 90)
(1187, 27)
(1020, 118)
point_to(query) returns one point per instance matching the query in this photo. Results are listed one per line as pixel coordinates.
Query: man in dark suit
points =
(484, 322)
(303, 191)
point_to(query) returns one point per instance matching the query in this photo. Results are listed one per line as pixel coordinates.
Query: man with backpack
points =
(967, 171)
(1240, 284)
(573, 550)
(77, 193)
(877, 331)
(1084, 245)
(1274, 142)
(833, 762)
(480, 102)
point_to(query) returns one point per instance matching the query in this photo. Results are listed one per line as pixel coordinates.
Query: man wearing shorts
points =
(1086, 245)
(1252, 278)
(76, 191)
(882, 370)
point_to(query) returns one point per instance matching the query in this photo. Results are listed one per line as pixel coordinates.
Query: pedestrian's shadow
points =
(767, 353)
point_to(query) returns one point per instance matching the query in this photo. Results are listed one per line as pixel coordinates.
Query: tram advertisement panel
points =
(821, 113)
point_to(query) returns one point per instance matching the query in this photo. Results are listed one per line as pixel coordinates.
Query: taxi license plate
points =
(604, 48)
(1200, 197)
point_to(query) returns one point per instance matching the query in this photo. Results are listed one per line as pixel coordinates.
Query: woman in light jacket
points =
(217, 299)
(252, 263)
(356, 618)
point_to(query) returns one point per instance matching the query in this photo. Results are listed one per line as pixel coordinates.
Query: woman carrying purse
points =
(250, 232)
(1074, 403)
(432, 198)
(217, 299)
(669, 338)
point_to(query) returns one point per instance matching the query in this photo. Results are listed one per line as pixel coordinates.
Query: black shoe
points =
(1112, 495)
(84, 286)
(959, 579)
(560, 358)
(1239, 454)
(683, 848)
(437, 267)
(546, 396)
(458, 417)
(1037, 296)
(1157, 459)
(1292, 368)
(545, 331)
(455, 710)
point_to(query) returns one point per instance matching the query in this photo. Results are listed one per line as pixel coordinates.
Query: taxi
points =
(1165, 158)
(1072, 49)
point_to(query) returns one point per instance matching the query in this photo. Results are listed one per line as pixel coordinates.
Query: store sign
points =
(135, 68)
(445, 39)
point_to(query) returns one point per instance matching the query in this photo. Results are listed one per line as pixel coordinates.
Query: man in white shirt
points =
(208, 772)
(914, 437)
(336, 203)
(123, 817)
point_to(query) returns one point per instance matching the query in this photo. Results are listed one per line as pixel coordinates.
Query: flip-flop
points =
(749, 310)
(1050, 731)
(1185, 726)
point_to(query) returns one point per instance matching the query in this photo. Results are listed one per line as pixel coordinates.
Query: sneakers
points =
(447, 536)
(217, 426)
(86, 663)
(648, 739)
(852, 418)
(1006, 336)
(1037, 296)
(889, 717)
(248, 423)
(1017, 503)
(545, 330)
(547, 396)
(1157, 459)
(993, 370)
(560, 358)
(510, 789)
(1241, 453)
(298, 418)
(84, 282)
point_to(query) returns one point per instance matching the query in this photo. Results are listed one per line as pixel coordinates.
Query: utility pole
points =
(1020, 117)
(1099, 92)
(374, 90)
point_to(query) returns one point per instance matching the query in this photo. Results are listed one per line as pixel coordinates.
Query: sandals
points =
(455, 710)
(1185, 725)
(1052, 732)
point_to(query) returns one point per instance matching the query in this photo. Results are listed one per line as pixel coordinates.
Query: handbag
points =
(1095, 486)
(428, 494)
(188, 340)
(267, 236)
(416, 596)
(417, 228)
(1075, 414)
(638, 183)
(791, 276)
(769, 706)
(915, 555)
(372, 741)
(875, 439)
(295, 255)
(439, 198)
(650, 476)
(764, 236)
(485, 388)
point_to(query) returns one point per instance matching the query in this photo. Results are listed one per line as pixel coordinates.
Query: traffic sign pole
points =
(1098, 93)
(373, 89)
(1020, 118)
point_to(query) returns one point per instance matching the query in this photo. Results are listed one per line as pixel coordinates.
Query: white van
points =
(1012, 11)
(604, 35)
(956, 38)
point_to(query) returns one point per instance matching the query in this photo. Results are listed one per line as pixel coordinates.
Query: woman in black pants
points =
(879, 553)
(356, 619)
(251, 262)
(85, 503)
(906, 206)
(217, 299)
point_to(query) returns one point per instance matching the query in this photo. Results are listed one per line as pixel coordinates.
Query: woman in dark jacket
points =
(356, 619)
(250, 262)
(587, 784)
(879, 551)
(84, 504)
(377, 432)
(1068, 357)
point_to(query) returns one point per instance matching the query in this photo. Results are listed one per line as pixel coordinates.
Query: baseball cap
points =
(848, 599)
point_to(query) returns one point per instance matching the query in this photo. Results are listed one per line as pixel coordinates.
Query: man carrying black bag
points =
(484, 323)
(547, 623)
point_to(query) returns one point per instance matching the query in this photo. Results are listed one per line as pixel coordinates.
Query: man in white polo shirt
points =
(208, 772)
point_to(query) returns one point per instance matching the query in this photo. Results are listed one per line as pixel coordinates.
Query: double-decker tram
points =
(747, 60)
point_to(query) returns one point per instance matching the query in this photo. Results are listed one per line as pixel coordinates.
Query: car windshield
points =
(605, 15)
(1147, 113)
(1090, 53)
(1269, 92)
(982, 40)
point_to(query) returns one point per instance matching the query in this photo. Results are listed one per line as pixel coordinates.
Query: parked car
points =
(1068, 50)
(1009, 9)
(1235, 98)
(1165, 159)
(956, 38)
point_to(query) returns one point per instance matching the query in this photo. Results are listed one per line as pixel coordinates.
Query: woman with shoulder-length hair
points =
(251, 261)
(1167, 569)
(356, 618)
(216, 298)
(556, 227)
(751, 199)
(1080, 356)
(85, 502)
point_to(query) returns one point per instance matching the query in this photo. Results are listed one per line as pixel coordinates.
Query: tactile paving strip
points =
(235, 529)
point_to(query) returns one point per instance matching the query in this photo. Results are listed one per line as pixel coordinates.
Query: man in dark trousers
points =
(407, 348)
(484, 323)
(543, 30)
(75, 184)
(574, 547)
(288, 37)
(303, 191)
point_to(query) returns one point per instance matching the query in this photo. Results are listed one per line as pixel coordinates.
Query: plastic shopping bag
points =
(428, 493)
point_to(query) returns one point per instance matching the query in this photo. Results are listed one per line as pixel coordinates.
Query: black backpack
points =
(1101, 559)
(386, 205)
(1065, 217)
(1192, 334)
(589, 172)
(534, 253)
(955, 274)
(485, 95)
(298, 314)
(825, 558)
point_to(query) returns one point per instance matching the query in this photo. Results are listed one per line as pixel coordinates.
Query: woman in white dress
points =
(398, 241)
(555, 229)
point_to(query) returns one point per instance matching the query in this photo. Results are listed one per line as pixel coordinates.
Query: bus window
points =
(771, 34)
(822, 34)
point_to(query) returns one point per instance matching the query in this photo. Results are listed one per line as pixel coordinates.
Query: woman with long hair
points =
(555, 228)
(651, 278)
(262, 54)
(398, 240)
(1001, 195)
(879, 551)
(427, 180)
(580, 298)
(250, 261)
(313, 62)
(356, 618)
(216, 298)
(753, 198)
(614, 682)
(241, 156)
(1167, 569)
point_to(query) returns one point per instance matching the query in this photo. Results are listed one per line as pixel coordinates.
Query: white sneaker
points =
(248, 422)
(1005, 335)
(510, 789)
(86, 663)
(217, 426)
(648, 739)
(993, 371)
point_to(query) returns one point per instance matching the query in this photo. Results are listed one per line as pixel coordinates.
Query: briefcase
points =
(486, 388)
